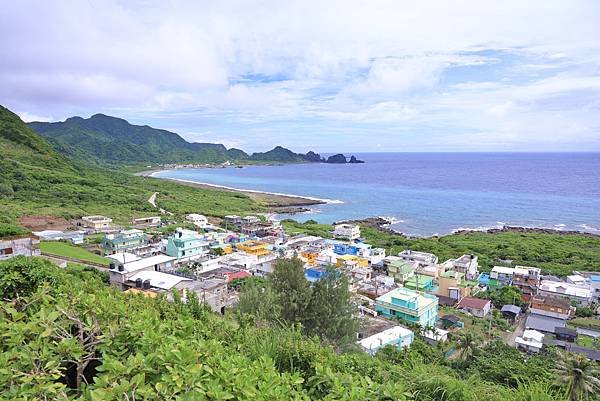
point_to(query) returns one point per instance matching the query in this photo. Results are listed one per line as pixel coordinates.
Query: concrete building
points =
(198, 220)
(555, 307)
(396, 336)
(581, 295)
(96, 222)
(530, 341)
(124, 241)
(152, 221)
(122, 271)
(346, 231)
(187, 245)
(466, 264)
(409, 306)
(422, 258)
(19, 245)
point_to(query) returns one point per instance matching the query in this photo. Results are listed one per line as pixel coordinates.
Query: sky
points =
(329, 76)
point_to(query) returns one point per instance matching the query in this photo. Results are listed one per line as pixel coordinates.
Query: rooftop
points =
(476, 303)
(146, 263)
(408, 295)
(160, 280)
(384, 337)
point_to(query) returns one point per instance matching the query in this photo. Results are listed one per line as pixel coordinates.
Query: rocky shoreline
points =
(383, 225)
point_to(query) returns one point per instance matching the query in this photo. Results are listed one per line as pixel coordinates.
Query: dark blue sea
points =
(435, 193)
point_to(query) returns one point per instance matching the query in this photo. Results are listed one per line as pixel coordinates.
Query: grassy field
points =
(64, 249)
(554, 253)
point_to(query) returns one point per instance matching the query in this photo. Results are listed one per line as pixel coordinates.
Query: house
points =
(19, 245)
(565, 334)
(466, 264)
(121, 271)
(555, 307)
(124, 240)
(422, 258)
(511, 312)
(434, 336)
(346, 231)
(543, 323)
(581, 295)
(75, 237)
(527, 279)
(530, 341)
(453, 284)
(503, 274)
(434, 271)
(96, 222)
(152, 221)
(419, 282)
(449, 321)
(396, 336)
(401, 270)
(351, 261)
(256, 248)
(198, 220)
(409, 306)
(314, 274)
(475, 306)
(187, 245)
(342, 248)
(249, 220)
(233, 220)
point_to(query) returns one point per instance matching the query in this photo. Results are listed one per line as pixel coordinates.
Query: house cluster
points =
(405, 289)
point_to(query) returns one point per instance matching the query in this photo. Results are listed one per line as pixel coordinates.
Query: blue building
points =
(409, 306)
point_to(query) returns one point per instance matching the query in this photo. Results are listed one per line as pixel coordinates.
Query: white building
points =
(347, 231)
(422, 258)
(198, 220)
(582, 295)
(467, 264)
(531, 341)
(122, 270)
(397, 336)
(96, 222)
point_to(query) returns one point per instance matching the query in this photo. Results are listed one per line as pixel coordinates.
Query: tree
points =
(581, 376)
(329, 312)
(467, 344)
(257, 298)
(292, 289)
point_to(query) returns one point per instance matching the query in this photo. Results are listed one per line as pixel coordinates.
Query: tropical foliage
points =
(66, 335)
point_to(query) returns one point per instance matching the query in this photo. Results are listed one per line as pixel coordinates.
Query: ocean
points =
(435, 193)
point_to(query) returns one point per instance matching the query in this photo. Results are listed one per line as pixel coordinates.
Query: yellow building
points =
(310, 257)
(255, 248)
(344, 259)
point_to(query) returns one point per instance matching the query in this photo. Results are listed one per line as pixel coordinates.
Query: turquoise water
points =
(436, 193)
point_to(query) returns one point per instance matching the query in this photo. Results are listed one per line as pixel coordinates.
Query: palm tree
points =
(467, 343)
(580, 375)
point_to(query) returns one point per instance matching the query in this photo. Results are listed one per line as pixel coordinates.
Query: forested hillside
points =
(35, 179)
(109, 140)
(67, 335)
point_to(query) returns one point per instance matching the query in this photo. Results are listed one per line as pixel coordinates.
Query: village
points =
(397, 297)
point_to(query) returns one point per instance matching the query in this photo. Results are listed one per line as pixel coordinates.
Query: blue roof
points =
(595, 278)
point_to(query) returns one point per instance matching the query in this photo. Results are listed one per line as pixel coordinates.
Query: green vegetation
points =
(107, 140)
(581, 376)
(586, 322)
(59, 248)
(554, 253)
(68, 336)
(35, 180)
(508, 295)
(323, 308)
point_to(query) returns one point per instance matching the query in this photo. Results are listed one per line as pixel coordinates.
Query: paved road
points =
(518, 332)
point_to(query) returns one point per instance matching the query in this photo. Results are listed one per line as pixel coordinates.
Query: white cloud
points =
(387, 65)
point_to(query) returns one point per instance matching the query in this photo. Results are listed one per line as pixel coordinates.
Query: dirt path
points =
(518, 332)
(152, 199)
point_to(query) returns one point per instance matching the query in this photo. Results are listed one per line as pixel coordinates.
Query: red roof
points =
(235, 275)
(473, 303)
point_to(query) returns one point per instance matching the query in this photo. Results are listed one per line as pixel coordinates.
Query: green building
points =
(408, 306)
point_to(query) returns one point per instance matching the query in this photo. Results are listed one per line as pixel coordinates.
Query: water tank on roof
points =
(146, 285)
(138, 283)
(112, 266)
(121, 268)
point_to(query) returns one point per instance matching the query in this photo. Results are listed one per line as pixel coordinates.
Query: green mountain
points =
(113, 141)
(35, 179)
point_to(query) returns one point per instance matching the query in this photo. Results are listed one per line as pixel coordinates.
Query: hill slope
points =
(36, 179)
(109, 140)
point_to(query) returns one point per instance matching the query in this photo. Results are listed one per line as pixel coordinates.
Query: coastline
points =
(276, 202)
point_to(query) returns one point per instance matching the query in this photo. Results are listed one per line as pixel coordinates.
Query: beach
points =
(276, 202)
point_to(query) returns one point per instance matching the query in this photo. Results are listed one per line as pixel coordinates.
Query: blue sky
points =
(322, 75)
